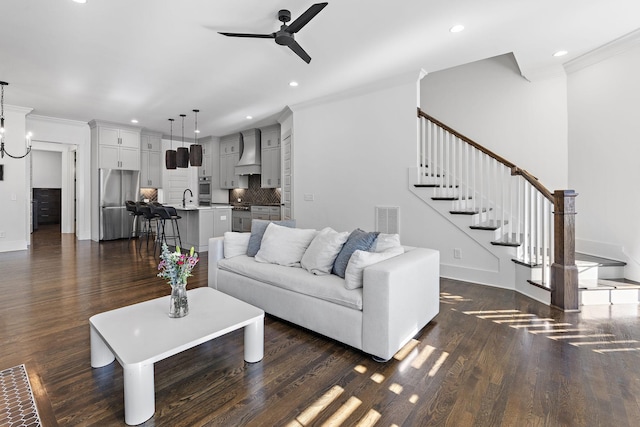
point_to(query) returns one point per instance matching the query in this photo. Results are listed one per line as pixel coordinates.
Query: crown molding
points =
(606, 51)
(66, 122)
(17, 109)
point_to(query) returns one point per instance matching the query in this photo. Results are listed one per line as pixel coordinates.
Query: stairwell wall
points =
(525, 122)
(604, 152)
(491, 103)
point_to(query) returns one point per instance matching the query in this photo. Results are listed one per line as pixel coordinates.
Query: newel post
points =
(564, 272)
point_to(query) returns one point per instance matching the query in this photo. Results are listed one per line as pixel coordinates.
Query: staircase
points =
(509, 213)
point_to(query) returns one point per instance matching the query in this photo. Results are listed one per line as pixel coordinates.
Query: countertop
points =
(201, 208)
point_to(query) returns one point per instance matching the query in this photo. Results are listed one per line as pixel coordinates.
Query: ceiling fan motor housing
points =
(284, 15)
(284, 38)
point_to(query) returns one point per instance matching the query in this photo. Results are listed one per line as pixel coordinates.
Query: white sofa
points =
(399, 296)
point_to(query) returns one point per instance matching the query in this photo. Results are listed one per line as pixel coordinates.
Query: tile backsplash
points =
(255, 195)
(149, 193)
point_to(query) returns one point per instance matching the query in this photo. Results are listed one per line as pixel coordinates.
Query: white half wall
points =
(491, 103)
(604, 153)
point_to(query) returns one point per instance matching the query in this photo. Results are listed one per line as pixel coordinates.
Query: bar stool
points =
(150, 223)
(133, 211)
(174, 221)
(163, 215)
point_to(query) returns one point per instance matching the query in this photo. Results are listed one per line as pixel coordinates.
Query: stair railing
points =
(506, 197)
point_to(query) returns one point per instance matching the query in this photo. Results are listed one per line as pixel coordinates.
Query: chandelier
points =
(27, 141)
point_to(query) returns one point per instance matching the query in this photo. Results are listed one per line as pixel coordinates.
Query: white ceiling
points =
(155, 59)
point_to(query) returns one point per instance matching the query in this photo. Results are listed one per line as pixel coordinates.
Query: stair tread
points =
(608, 284)
(449, 198)
(508, 240)
(488, 225)
(467, 211)
(539, 284)
(602, 262)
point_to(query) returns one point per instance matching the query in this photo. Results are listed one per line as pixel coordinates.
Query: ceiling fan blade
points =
(294, 46)
(254, 36)
(305, 17)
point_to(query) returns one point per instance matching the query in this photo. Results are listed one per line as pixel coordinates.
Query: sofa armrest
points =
(216, 253)
(400, 296)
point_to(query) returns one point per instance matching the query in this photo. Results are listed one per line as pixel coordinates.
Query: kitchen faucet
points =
(184, 196)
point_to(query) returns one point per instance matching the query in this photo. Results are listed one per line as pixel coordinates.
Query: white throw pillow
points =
(386, 241)
(362, 259)
(284, 245)
(235, 243)
(323, 250)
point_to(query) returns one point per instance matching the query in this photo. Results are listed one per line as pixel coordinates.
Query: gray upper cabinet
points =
(230, 150)
(118, 146)
(270, 177)
(206, 170)
(151, 159)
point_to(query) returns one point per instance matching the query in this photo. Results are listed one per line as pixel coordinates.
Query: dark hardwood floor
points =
(491, 357)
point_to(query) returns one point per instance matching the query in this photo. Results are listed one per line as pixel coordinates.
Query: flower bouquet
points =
(176, 267)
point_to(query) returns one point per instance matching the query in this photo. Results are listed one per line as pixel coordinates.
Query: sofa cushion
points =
(362, 259)
(235, 243)
(258, 227)
(323, 250)
(284, 245)
(385, 241)
(358, 240)
(329, 288)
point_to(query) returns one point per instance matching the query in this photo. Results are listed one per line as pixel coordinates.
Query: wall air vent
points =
(388, 219)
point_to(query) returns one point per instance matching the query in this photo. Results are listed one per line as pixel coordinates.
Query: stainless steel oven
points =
(204, 190)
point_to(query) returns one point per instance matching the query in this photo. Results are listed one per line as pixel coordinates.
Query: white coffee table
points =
(141, 334)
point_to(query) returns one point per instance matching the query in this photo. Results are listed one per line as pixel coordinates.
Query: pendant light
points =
(170, 155)
(195, 151)
(182, 155)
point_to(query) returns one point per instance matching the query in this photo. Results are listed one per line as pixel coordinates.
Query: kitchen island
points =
(199, 223)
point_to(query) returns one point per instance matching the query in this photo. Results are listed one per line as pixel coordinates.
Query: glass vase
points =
(178, 302)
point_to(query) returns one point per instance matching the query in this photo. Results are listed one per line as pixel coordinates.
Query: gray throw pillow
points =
(258, 227)
(358, 240)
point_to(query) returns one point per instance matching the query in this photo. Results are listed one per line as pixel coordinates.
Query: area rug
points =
(17, 406)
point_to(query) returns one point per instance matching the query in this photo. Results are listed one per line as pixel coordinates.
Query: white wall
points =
(46, 169)
(353, 152)
(491, 103)
(604, 153)
(15, 198)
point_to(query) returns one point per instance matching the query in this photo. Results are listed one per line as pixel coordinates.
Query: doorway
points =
(53, 187)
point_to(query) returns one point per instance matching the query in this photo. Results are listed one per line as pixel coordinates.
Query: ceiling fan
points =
(285, 36)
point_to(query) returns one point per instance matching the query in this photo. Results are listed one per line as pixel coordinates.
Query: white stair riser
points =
(609, 296)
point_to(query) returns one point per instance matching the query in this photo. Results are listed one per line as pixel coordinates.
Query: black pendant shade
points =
(195, 151)
(170, 159)
(195, 155)
(182, 157)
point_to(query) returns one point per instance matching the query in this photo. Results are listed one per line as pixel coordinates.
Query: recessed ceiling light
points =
(560, 53)
(456, 28)
(249, 117)
(134, 121)
(293, 84)
(80, 1)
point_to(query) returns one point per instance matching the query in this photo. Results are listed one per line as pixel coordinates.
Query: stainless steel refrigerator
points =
(116, 187)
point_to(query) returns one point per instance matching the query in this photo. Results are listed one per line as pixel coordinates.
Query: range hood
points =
(250, 161)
